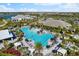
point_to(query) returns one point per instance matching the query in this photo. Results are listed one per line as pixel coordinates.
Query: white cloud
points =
(8, 4)
(39, 1)
(70, 7)
(27, 9)
(61, 8)
(5, 9)
(8, 9)
(45, 4)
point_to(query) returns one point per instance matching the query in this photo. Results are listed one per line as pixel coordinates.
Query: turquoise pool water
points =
(33, 35)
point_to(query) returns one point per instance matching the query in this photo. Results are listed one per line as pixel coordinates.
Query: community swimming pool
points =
(33, 35)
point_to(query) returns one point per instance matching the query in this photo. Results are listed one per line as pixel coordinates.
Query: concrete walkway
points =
(48, 51)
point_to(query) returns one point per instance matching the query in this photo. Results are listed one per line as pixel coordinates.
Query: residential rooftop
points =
(55, 23)
(4, 34)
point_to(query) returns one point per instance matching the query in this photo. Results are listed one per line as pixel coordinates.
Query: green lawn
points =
(1, 22)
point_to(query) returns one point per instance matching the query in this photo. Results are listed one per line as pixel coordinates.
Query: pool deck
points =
(48, 51)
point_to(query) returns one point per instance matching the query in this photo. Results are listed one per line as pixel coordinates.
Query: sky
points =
(39, 7)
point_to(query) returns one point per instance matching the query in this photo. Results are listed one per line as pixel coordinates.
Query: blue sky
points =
(39, 7)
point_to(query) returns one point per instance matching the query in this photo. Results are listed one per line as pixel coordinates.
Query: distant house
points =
(55, 23)
(76, 22)
(22, 17)
(75, 36)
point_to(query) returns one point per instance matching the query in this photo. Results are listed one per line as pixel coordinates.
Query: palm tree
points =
(21, 36)
(11, 45)
(24, 51)
(5, 42)
(38, 47)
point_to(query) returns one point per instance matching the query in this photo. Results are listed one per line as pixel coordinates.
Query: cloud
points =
(27, 9)
(70, 5)
(73, 7)
(8, 4)
(44, 4)
(9, 9)
(5, 9)
(64, 7)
